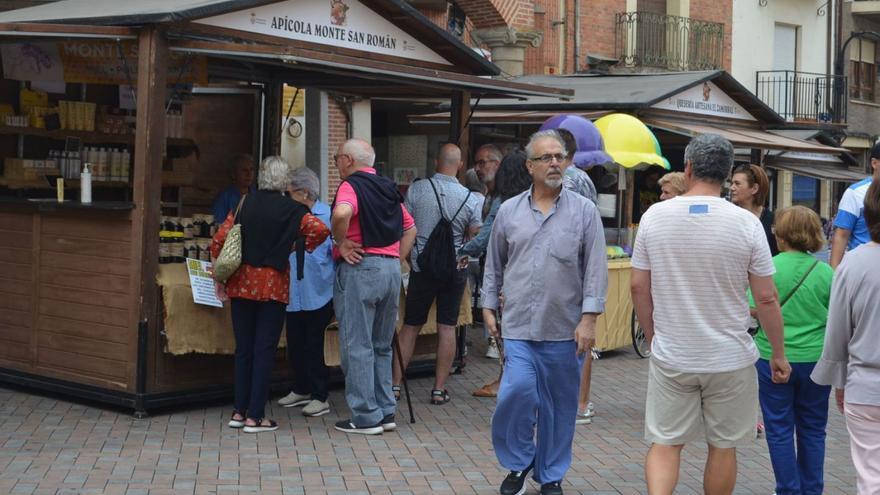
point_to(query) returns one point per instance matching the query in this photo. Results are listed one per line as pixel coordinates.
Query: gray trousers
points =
(366, 297)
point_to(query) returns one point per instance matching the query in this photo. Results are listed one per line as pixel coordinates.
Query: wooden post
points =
(147, 183)
(459, 127)
(272, 136)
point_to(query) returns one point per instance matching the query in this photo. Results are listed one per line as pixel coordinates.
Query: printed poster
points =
(202, 283)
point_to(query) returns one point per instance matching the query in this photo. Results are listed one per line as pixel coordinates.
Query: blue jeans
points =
(257, 327)
(539, 387)
(366, 297)
(799, 409)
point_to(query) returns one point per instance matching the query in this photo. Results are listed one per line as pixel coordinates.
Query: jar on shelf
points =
(205, 250)
(188, 227)
(165, 247)
(177, 247)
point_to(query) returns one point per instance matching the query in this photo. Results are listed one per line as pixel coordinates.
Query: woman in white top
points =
(851, 357)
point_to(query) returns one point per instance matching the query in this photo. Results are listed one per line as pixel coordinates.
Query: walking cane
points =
(396, 345)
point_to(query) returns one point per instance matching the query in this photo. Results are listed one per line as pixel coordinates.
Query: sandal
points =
(260, 426)
(395, 389)
(236, 423)
(439, 397)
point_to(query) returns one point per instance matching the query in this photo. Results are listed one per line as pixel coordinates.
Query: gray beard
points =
(553, 183)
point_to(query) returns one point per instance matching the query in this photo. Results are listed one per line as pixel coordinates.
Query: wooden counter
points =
(65, 292)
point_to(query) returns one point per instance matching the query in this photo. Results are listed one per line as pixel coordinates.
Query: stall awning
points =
(361, 76)
(743, 137)
(501, 117)
(825, 172)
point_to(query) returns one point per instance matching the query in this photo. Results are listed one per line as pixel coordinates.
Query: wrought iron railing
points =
(801, 96)
(668, 41)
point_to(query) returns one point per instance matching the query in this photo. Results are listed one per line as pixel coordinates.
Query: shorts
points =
(423, 289)
(682, 407)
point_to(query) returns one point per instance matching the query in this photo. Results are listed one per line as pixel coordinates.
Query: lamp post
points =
(839, 72)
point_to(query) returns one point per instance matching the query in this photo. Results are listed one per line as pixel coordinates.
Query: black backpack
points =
(438, 258)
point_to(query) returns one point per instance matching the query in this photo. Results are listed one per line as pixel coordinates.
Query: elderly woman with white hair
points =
(310, 309)
(272, 224)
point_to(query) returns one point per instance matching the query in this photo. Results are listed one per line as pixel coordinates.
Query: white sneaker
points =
(586, 417)
(316, 408)
(294, 399)
(492, 350)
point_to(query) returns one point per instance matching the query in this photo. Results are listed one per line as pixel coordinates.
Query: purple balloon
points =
(590, 147)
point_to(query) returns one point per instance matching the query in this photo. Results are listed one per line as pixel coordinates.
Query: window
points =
(863, 70)
(805, 192)
(455, 19)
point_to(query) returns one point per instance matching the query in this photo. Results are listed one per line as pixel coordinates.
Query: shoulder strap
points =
(439, 204)
(466, 198)
(238, 208)
(798, 286)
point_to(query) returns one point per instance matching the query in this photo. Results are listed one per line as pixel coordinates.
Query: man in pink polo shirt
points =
(371, 232)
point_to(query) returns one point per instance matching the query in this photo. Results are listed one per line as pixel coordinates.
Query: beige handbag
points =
(230, 255)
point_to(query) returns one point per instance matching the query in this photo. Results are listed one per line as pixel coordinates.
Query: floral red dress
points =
(265, 283)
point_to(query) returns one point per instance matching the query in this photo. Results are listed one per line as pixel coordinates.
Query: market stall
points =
(84, 306)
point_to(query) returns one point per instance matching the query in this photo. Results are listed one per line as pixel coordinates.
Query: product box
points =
(25, 169)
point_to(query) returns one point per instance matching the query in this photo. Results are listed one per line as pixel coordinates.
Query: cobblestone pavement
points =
(50, 446)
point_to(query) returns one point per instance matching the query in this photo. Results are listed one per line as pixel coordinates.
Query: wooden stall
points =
(80, 307)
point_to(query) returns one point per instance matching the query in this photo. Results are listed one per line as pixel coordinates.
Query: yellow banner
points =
(105, 62)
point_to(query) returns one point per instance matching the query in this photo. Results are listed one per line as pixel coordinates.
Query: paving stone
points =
(56, 446)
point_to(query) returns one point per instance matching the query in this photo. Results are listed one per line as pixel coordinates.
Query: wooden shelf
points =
(68, 184)
(89, 137)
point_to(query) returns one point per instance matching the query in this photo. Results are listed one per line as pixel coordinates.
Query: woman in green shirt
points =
(800, 407)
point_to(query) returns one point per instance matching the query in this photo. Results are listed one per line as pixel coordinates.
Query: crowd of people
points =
(737, 311)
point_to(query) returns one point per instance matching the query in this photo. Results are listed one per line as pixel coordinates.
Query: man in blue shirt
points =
(851, 230)
(243, 172)
(310, 309)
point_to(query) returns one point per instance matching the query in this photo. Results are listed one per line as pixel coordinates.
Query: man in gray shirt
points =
(441, 196)
(547, 255)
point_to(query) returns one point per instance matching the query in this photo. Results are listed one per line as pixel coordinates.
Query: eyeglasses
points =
(480, 163)
(559, 157)
(337, 156)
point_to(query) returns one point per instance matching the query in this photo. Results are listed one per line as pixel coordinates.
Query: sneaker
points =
(316, 408)
(492, 350)
(294, 399)
(348, 427)
(260, 427)
(586, 417)
(388, 423)
(515, 482)
(553, 488)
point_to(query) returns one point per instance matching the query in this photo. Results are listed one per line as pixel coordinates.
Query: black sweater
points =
(379, 212)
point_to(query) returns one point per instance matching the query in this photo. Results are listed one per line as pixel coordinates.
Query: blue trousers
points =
(257, 327)
(366, 297)
(798, 409)
(539, 387)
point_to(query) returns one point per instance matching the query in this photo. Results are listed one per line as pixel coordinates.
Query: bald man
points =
(371, 231)
(441, 196)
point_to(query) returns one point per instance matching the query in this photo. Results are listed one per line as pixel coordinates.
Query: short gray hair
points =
(711, 158)
(361, 152)
(550, 133)
(494, 151)
(307, 180)
(274, 174)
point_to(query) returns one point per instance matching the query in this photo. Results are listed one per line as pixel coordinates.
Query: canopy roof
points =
(631, 92)
(141, 12)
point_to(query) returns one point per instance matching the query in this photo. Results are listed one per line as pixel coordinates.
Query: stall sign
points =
(705, 99)
(91, 62)
(202, 283)
(338, 23)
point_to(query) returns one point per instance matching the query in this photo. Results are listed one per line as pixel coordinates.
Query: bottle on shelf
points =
(75, 164)
(115, 165)
(85, 185)
(126, 165)
(66, 165)
(103, 168)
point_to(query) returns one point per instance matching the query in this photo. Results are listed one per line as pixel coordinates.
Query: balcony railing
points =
(801, 96)
(644, 39)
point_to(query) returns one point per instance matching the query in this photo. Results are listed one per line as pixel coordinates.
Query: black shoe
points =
(515, 483)
(348, 427)
(388, 423)
(554, 488)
